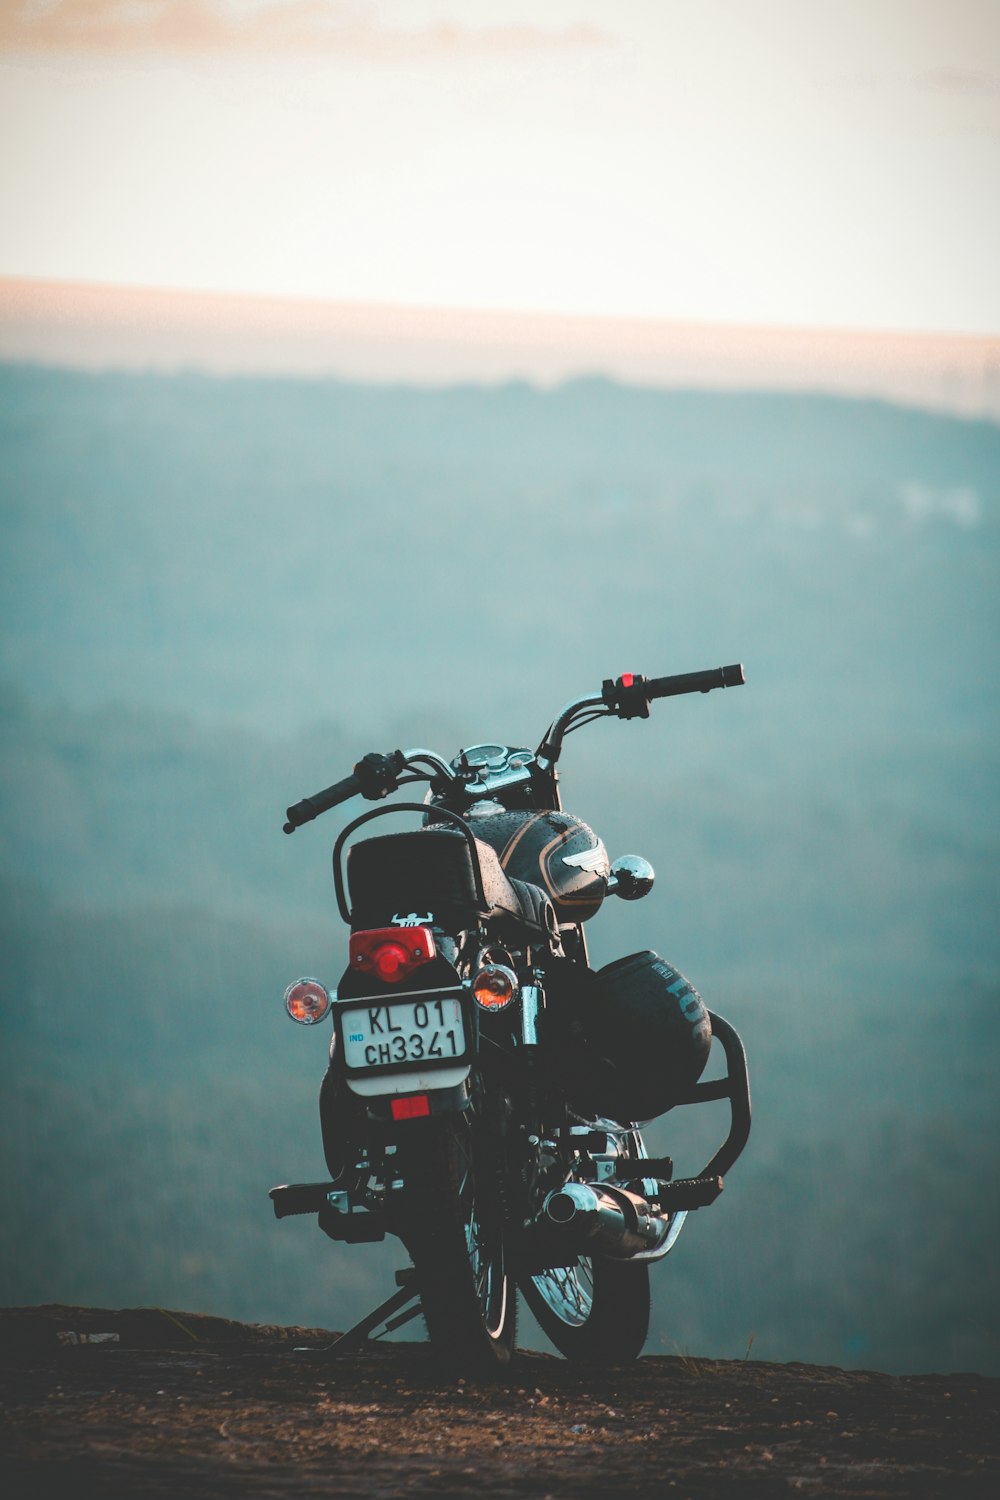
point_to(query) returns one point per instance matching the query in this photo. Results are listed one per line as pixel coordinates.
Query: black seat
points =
(431, 872)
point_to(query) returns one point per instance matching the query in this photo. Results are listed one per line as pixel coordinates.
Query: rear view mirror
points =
(631, 877)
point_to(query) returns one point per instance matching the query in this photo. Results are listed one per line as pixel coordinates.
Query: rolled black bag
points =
(637, 1041)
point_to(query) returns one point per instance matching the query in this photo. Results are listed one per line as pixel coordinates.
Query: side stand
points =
(355, 1338)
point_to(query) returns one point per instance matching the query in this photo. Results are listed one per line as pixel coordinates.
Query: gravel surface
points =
(181, 1404)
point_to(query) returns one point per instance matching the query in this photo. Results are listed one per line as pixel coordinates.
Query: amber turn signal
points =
(494, 986)
(307, 1001)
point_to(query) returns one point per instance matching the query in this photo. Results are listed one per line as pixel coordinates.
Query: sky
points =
(785, 162)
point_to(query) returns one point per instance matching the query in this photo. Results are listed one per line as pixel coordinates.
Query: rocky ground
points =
(180, 1404)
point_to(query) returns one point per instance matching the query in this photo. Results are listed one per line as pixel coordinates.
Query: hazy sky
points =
(830, 162)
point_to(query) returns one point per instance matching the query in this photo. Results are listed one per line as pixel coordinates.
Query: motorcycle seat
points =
(431, 871)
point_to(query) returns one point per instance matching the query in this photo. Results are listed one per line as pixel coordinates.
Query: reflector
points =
(411, 1107)
(307, 1001)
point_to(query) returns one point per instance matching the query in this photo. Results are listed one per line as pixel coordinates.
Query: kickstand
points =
(355, 1338)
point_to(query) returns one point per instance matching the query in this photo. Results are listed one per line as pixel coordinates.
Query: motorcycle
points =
(487, 1089)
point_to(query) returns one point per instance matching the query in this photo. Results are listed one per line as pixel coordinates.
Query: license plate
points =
(425, 1031)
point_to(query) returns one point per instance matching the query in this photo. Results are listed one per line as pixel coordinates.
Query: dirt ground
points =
(181, 1404)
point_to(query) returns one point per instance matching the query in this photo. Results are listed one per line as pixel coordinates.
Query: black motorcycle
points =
(486, 1086)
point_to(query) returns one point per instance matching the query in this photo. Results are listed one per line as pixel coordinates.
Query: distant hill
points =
(273, 551)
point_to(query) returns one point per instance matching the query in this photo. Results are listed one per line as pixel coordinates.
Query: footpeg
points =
(342, 1220)
(634, 1168)
(689, 1192)
(300, 1198)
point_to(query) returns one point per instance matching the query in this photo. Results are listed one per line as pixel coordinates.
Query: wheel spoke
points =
(568, 1291)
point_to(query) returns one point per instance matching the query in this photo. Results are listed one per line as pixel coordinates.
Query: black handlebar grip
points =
(321, 802)
(695, 682)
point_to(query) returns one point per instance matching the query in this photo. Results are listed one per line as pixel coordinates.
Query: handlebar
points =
(321, 802)
(628, 697)
(374, 776)
(631, 695)
(696, 682)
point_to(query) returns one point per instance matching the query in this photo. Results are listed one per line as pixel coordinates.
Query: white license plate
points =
(425, 1031)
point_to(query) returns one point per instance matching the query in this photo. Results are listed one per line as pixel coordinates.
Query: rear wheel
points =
(453, 1226)
(595, 1311)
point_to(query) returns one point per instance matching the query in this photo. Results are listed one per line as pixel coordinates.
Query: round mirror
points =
(631, 877)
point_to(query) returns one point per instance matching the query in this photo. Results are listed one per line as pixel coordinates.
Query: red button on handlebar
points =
(627, 679)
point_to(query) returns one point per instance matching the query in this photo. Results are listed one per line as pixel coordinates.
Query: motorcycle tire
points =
(595, 1312)
(452, 1224)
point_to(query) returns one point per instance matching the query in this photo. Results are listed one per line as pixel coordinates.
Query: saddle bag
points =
(637, 1040)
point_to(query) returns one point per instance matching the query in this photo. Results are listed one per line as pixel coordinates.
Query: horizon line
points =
(103, 325)
(462, 310)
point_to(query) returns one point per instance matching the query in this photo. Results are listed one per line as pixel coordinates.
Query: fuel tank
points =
(553, 850)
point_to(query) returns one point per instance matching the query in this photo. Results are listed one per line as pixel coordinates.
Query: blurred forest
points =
(219, 593)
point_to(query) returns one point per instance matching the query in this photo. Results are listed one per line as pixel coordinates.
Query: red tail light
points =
(390, 954)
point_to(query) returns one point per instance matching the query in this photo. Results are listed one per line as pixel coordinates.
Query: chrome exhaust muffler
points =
(605, 1219)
